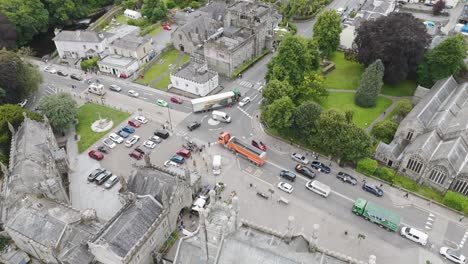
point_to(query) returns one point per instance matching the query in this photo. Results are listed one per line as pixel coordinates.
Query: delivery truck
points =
(211, 102)
(253, 154)
(377, 214)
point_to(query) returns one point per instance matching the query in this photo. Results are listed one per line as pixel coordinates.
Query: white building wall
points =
(189, 86)
(32, 248)
(78, 49)
(114, 70)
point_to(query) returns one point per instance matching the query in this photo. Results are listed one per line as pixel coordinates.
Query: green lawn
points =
(405, 88)
(88, 113)
(166, 79)
(121, 19)
(155, 30)
(362, 116)
(157, 69)
(346, 74)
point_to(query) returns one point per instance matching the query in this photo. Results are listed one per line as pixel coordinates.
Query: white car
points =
(116, 138)
(149, 144)
(132, 93)
(299, 158)
(50, 70)
(155, 139)
(244, 101)
(109, 143)
(286, 187)
(141, 119)
(23, 103)
(169, 163)
(452, 255)
(131, 141)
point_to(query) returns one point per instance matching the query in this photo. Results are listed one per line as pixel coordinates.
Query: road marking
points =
(148, 93)
(243, 111)
(343, 196)
(144, 98)
(253, 98)
(260, 101)
(213, 129)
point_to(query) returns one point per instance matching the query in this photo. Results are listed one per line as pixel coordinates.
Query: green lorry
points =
(377, 214)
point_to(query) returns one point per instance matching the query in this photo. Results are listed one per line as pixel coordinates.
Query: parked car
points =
(23, 103)
(184, 153)
(132, 93)
(134, 123)
(414, 235)
(103, 149)
(305, 171)
(111, 181)
(194, 125)
(131, 141)
(123, 134)
(162, 133)
(162, 103)
(149, 144)
(103, 177)
(320, 166)
(285, 187)
(136, 155)
(116, 138)
(176, 100)
(167, 27)
(169, 163)
(140, 150)
(50, 70)
(128, 129)
(76, 77)
(372, 189)
(61, 73)
(244, 101)
(115, 88)
(94, 154)
(155, 139)
(109, 143)
(288, 175)
(452, 255)
(92, 176)
(345, 177)
(299, 158)
(177, 159)
(258, 144)
(141, 119)
(189, 9)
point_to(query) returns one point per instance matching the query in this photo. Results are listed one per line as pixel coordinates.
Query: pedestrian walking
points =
(381, 185)
(406, 195)
(329, 164)
(462, 217)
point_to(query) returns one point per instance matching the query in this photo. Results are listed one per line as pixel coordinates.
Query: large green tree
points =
(384, 130)
(8, 33)
(370, 84)
(18, 79)
(399, 40)
(327, 29)
(278, 115)
(60, 109)
(304, 118)
(154, 10)
(30, 17)
(402, 108)
(275, 90)
(444, 60)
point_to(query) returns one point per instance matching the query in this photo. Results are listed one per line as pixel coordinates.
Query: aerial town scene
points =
(233, 131)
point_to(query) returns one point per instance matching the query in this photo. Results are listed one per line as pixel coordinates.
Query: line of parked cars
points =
(102, 176)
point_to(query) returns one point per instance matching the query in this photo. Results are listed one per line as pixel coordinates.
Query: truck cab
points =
(96, 88)
(359, 205)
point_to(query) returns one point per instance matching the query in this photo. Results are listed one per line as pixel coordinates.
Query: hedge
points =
(367, 166)
(456, 201)
(385, 174)
(247, 65)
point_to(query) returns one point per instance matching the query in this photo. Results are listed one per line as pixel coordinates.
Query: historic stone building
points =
(431, 143)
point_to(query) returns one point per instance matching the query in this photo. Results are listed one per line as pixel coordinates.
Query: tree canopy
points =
(384, 130)
(399, 40)
(444, 60)
(327, 29)
(302, 8)
(370, 85)
(60, 109)
(278, 115)
(154, 10)
(304, 118)
(275, 90)
(8, 36)
(402, 108)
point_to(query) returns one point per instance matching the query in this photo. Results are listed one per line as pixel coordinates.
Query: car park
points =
(184, 153)
(320, 166)
(258, 144)
(102, 177)
(109, 143)
(288, 175)
(115, 88)
(285, 187)
(194, 125)
(162, 103)
(134, 123)
(61, 73)
(372, 189)
(345, 177)
(141, 119)
(76, 77)
(244, 101)
(123, 134)
(94, 154)
(305, 171)
(299, 158)
(131, 141)
(140, 150)
(414, 235)
(103, 149)
(169, 163)
(132, 93)
(318, 188)
(162, 133)
(116, 138)
(155, 139)
(92, 176)
(452, 255)
(136, 155)
(128, 129)
(149, 144)
(50, 70)
(176, 100)
(111, 181)
(177, 159)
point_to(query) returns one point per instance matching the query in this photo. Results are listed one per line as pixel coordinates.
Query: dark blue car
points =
(123, 134)
(320, 166)
(128, 129)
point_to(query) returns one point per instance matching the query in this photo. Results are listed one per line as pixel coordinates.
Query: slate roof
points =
(130, 41)
(215, 10)
(153, 182)
(248, 7)
(191, 71)
(205, 27)
(80, 36)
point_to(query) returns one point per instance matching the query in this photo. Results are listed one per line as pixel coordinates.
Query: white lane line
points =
(243, 111)
(148, 93)
(144, 98)
(253, 98)
(342, 196)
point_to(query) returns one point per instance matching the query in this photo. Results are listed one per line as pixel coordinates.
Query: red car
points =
(134, 123)
(258, 144)
(176, 100)
(136, 155)
(184, 153)
(94, 154)
(167, 27)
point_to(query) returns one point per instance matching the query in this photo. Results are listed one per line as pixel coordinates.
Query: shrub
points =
(89, 64)
(139, 22)
(367, 166)
(456, 201)
(170, 4)
(405, 182)
(194, 5)
(384, 130)
(385, 174)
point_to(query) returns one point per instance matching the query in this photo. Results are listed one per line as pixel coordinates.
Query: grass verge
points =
(157, 69)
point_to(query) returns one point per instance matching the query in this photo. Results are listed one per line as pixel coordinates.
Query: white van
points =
(96, 88)
(221, 116)
(216, 164)
(318, 187)
(414, 235)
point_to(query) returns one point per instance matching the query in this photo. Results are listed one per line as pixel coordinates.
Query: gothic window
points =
(461, 186)
(414, 164)
(196, 30)
(243, 17)
(438, 175)
(409, 136)
(180, 36)
(144, 50)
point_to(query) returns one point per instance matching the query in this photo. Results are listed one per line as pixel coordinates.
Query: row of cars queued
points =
(102, 176)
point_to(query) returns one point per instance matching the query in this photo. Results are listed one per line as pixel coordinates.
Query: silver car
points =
(299, 158)
(115, 88)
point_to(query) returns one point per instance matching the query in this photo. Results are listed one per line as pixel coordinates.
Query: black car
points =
(103, 149)
(345, 177)
(140, 150)
(194, 125)
(76, 77)
(305, 171)
(95, 174)
(61, 73)
(288, 175)
(372, 189)
(320, 166)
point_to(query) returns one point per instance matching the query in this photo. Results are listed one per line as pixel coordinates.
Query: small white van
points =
(414, 235)
(318, 187)
(216, 164)
(221, 116)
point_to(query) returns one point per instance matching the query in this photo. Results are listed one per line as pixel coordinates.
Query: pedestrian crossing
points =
(462, 242)
(245, 112)
(246, 84)
(429, 222)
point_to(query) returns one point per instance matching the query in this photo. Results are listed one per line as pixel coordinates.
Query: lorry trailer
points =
(211, 102)
(377, 214)
(248, 151)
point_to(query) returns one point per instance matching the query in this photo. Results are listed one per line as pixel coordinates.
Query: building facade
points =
(132, 14)
(194, 77)
(79, 44)
(431, 143)
(117, 65)
(133, 46)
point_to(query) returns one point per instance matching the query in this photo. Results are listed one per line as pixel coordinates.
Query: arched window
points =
(415, 164)
(438, 174)
(461, 186)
